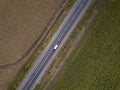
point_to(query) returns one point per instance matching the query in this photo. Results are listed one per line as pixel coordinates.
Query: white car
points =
(55, 47)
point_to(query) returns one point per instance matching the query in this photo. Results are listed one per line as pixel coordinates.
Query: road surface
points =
(59, 38)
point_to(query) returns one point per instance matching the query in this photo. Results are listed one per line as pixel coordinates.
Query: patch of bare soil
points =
(21, 23)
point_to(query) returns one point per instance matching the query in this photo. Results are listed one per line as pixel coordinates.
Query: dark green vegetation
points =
(96, 65)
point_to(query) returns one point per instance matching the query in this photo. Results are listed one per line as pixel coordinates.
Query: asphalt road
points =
(59, 38)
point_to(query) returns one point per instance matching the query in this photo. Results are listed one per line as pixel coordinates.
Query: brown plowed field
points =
(21, 22)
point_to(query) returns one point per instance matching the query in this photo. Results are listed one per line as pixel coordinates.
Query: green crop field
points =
(96, 65)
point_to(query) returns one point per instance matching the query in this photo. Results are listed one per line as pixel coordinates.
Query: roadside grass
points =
(96, 64)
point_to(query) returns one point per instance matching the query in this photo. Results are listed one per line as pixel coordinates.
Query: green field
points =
(96, 65)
